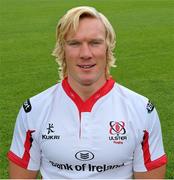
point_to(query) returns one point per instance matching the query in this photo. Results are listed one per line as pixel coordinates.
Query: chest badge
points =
(50, 135)
(117, 132)
(84, 155)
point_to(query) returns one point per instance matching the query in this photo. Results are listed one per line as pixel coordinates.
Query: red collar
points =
(88, 104)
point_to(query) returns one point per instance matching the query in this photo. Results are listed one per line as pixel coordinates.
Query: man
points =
(87, 126)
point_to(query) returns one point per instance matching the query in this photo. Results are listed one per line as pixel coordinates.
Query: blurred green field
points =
(145, 58)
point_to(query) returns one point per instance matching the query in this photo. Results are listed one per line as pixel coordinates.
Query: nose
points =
(85, 51)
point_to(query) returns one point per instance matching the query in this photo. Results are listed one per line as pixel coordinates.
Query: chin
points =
(87, 81)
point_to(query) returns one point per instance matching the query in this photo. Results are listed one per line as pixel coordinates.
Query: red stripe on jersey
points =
(145, 146)
(27, 146)
(157, 163)
(17, 160)
(88, 104)
(149, 164)
(23, 162)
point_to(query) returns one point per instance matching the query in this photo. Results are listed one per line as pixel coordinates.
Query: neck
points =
(85, 91)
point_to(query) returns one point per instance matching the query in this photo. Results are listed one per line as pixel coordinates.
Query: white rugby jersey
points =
(110, 135)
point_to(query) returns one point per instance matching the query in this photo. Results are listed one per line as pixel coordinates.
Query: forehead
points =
(88, 27)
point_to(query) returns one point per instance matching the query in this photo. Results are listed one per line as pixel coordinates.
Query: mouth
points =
(86, 66)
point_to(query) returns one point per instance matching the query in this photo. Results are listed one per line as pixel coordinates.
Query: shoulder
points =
(134, 99)
(44, 98)
(35, 109)
(140, 110)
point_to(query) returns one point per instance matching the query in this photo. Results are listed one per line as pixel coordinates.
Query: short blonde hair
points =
(69, 24)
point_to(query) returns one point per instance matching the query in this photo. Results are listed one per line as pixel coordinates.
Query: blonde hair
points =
(69, 24)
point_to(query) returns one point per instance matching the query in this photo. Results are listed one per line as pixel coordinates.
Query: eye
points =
(96, 42)
(73, 43)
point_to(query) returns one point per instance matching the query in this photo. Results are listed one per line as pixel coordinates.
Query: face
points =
(85, 53)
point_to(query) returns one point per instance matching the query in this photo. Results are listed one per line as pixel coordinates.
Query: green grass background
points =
(145, 58)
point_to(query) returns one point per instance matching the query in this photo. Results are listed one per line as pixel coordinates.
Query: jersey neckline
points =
(86, 106)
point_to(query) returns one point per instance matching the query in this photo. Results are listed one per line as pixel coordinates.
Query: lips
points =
(86, 66)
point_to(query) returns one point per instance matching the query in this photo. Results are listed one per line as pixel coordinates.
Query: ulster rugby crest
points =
(117, 132)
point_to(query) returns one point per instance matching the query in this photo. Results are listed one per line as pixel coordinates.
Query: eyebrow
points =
(76, 40)
(72, 40)
(100, 39)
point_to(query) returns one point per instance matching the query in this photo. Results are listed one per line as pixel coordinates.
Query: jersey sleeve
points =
(149, 153)
(24, 150)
